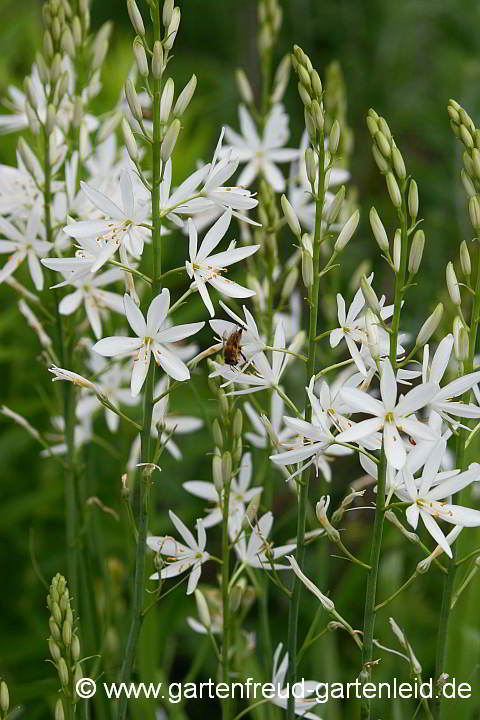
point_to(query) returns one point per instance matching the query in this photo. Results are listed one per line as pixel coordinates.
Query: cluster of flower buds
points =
(390, 162)
(269, 217)
(270, 17)
(311, 93)
(465, 130)
(227, 436)
(63, 643)
(4, 700)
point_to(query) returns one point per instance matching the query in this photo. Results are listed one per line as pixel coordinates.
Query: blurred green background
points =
(405, 59)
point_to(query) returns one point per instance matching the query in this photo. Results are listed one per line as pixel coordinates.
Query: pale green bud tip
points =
(416, 252)
(334, 138)
(394, 190)
(452, 285)
(461, 340)
(217, 433)
(290, 216)
(379, 231)
(129, 139)
(185, 96)
(383, 144)
(59, 712)
(237, 423)
(347, 231)
(398, 164)
(135, 17)
(380, 161)
(4, 697)
(307, 269)
(474, 211)
(311, 165)
(167, 12)
(133, 101)
(336, 205)
(166, 100)
(370, 295)
(172, 29)
(140, 57)
(62, 672)
(465, 259)
(429, 326)
(217, 472)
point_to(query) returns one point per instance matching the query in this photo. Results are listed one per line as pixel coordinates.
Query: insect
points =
(232, 350)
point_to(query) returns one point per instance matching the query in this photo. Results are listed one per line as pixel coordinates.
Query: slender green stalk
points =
(143, 483)
(443, 631)
(304, 481)
(370, 597)
(226, 598)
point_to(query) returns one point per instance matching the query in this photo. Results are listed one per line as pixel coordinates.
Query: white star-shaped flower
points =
(152, 338)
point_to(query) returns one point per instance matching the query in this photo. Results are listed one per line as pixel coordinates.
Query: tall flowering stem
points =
(463, 127)
(142, 488)
(313, 299)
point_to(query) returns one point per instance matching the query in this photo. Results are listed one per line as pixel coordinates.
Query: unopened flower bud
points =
(391, 517)
(217, 434)
(347, 231)
(135, 17)
(244, 87)
(183, 100)
(461, 340)
(334, 138)
(397, 250)
(51, 119)
(75, 648)
(30, 92)
(290, 283)
(167, 11)
(84, 143)
(379, 231)
(202, 609)
(172, 29)
(416, 252)
(140, 57)
(370, 296)
(108, 127)
(393, 190)
(429, 326)
(251, 511)
(59, 712)
(468, 165)
(4, 698)
(307, 269)
(166, 100)
(466, 137)
(67, 43)
(48, 45)
(452, 285)
(133, 101)
(77, 31)
(129, 140)
(413, 199)
(217, 472)
(380, 161)
(465, 261)
(371, 326)
(398, 164)
(226, 467)
(310, 165)
(237, 423)
(54, 649)
(467, 183)
(335, 206)
(310, 125)
(170, 140)
(290, 216)
(383, 144)
(236, 595)
(474, 211)
(316, 84)
(67, 633)
(62, 672)
(304, 95)
(383, 127)
(54, 629)
(317, 115)
(372, 125)
(157, 60)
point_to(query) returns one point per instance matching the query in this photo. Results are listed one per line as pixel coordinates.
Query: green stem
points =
(370, 597)
(226, 598)
(143, 483)
(442, 637)
(304, 481)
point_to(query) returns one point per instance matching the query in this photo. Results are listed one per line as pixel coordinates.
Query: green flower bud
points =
(452, 285)
(67, 633)
(398, 164)
(465, 261)
(140, 57)
(429, 326)
(157, 60)
(54, 629)
(379, 231)
(170, 140)
(109, 127)
(166, 100)
(59, 712)
(290, 283)
(185, 96)
(129, 140)
(474, 211)
(4, 698)
(466, 137)
(244, 87)
(172, 29)
(48, 45)
(62, 672)
(75, 648)
(217, 433)
(397, 250)
(334, 138)
(372, 125)
(383, 144)
(167, 12)
(335, 206)
(67, 43)
(226, 468)
(307, 269)
(316, 84)
(311, 165)
(370, 296)
(77, 31)
(217, 473)
(304, 78)
(468, 164)
(304, 95)
(380, 161)
(236, 596)
(57, 614)
(461, 340)
(413, 199)
(133, 101)
(467, 183)
(383, 127)
(135, 17)
(202, 609)
(317, 114)
(290, 216)
(371, 325)
(347, 231)
(54, 649)
(416, 252)
(393, 190)
(310, 125)
(237, 423)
